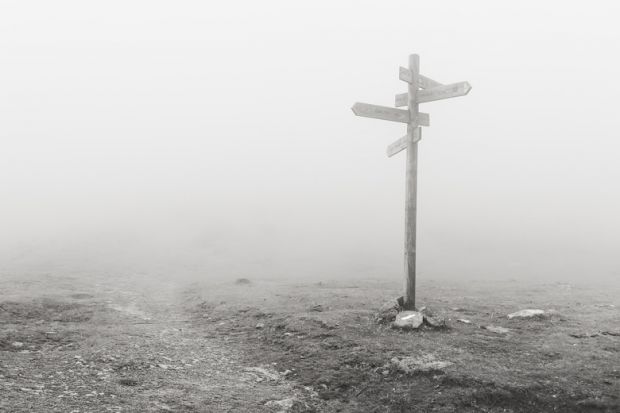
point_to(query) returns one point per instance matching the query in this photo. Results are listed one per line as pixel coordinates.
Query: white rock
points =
(497, 329)
(266, 373)
(526, 314)
(426, 362)
(17, 344)
(408, 320)
(464, 321)
(285, 404)
(260, 325)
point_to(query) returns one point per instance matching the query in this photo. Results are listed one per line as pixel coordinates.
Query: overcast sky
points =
(219, 135)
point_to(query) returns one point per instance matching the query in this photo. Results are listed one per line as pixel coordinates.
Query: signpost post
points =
(420, 89)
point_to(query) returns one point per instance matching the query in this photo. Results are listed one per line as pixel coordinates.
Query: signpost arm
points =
(411, 186)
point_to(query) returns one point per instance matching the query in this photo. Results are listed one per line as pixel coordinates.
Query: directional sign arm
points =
(423, 119)
(405, 75)
(380, 112)
(436, 93)
(444, 92)
(402, 99)
(387, 113)
(397, 146)
(401, 144)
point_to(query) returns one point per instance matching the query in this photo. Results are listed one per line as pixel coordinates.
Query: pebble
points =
(526, 314)
(496, 329)
(426, 362)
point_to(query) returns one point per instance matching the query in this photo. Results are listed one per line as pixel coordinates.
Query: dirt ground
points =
(135, 343)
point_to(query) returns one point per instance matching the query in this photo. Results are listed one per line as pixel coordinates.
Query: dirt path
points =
(69, 345)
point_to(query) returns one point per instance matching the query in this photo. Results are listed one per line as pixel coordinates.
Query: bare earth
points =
(81, 343)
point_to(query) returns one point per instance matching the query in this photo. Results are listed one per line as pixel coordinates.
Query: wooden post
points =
(420, 89)
(411, 182)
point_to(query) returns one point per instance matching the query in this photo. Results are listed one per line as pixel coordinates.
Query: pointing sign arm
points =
(444, 92)
(381, 112)
(436, 93)
(423, 119)
(402, 99)
(388, 113)
(397, 145)
(401, 144)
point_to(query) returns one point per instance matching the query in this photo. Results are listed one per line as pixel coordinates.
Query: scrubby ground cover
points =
(78, 343)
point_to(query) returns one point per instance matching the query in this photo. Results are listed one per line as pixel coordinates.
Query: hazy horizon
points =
(219, 141)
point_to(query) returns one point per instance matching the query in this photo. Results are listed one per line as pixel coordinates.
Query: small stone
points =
(584, 335)
(463, 320)
(17, 344)
(408, 320)
(496, 329)
(423, 363)
(526, 314)
(285, 404)
(242, 281)
(260, 326)
(128, 382)
(388, 311)
(318, 308)
(435, 322)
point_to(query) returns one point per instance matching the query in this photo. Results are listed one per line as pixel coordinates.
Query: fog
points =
(216, 139)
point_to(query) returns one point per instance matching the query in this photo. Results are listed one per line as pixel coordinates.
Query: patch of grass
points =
(344, 354)
(46, 309)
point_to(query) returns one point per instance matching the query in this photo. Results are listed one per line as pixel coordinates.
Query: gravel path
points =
(70, 345)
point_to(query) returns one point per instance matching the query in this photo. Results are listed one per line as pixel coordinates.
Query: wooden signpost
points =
(421, 89)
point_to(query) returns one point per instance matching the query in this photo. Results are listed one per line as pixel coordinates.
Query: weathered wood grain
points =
(436, 93)
(381, 112)
(401, 144)
(424, 82)
(444, 92)
(411, 182)
(427, 83)
(402, 99)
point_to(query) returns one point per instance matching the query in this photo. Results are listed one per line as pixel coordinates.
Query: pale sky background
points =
(216, 138)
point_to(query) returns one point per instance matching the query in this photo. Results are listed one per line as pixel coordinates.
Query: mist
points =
(217, 142)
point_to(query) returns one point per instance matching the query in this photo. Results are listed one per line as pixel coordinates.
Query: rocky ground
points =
(77, 343)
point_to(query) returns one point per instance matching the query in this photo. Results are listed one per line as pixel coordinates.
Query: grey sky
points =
(220, 133)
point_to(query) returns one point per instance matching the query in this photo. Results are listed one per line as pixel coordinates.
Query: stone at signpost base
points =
(387, 313)
(408, 320)
(526, 314)
(431, 319)
(435, 321)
